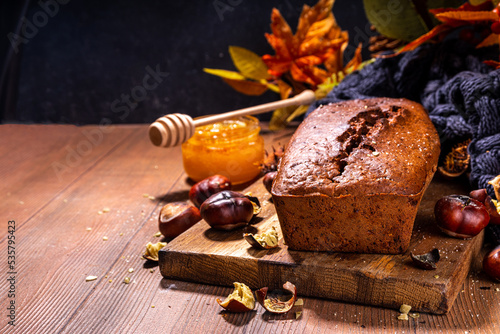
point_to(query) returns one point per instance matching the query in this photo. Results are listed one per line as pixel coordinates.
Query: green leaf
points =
(225, 74)
(401, 19)
(248, 63)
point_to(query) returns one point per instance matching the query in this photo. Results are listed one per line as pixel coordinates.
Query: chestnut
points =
(268, 180)
(208, 187)
(493, 208)
(491, 205)
(479, 195)
(177, 217)
(461, 216)
(491, 263)
(227, 210)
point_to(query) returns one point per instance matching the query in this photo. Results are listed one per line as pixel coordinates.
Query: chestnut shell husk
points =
(275, 305)
(426, 261)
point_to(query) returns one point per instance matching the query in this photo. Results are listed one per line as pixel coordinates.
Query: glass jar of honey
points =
(233, 148)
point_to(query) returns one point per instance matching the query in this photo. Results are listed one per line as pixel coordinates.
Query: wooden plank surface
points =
(55, 252)
(206, 255)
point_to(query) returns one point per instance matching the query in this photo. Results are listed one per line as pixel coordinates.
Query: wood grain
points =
(56, 252)
(209, 256)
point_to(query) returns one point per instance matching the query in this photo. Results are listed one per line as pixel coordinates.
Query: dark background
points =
(87, 55)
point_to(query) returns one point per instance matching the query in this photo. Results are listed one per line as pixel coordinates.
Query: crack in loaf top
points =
(360, 147)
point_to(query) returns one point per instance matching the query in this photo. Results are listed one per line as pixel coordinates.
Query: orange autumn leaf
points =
(469, 16)
(452, 18)
(246, 87)
(492, 39)
(285, 89)
(424, 38)
(485, 6)
(317, 41)
(356, 61)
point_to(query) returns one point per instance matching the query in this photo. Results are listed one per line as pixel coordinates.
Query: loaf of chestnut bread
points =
(353, 174)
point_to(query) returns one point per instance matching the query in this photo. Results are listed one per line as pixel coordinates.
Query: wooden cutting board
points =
(205, 255)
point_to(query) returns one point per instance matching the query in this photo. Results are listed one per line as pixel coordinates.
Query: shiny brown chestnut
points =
(208, 187)
(460, 216)
(268, 180)
(491, 206)
(227, 210)
(177, 217)
(479, 195)
(491, 263)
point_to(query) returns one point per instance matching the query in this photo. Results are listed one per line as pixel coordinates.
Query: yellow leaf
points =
(274, 88)
(285, 89)
(279, 117)
(246, 87)
(469, 15)
(248, 63)
(301, 110)
(224, 74)
(492, 39)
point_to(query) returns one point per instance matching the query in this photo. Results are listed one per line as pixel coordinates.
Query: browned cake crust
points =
(353, 175)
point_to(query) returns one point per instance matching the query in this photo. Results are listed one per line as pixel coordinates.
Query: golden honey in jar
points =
(233, 148)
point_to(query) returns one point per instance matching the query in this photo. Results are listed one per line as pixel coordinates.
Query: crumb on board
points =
(404, 309)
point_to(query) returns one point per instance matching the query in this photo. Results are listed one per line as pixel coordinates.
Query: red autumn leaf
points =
(492, 63)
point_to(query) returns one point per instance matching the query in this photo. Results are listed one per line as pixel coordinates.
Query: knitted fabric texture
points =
(460, 93)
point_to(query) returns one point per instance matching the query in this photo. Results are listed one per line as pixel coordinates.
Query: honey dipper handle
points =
(175, 129)
(306, 97)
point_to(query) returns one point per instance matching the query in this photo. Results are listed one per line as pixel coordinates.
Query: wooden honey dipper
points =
(174, 129)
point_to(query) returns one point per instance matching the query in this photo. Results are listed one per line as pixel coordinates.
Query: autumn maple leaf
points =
(317, 41)
(467, 14)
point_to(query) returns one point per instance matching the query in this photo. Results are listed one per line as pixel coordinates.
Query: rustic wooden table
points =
(84, 201)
